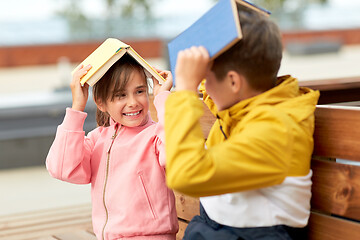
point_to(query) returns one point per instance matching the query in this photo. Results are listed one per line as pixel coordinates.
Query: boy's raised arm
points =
(248, 160)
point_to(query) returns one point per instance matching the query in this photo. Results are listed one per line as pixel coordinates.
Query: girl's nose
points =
(131, 101)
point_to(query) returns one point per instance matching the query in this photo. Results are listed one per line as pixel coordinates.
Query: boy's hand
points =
(79, 93)
(166, 86)
(192, 65)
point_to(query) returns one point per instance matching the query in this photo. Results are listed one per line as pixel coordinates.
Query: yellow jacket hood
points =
(285, 96)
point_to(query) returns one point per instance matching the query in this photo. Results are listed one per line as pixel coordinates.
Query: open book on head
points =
(217, 30)
(106, 55)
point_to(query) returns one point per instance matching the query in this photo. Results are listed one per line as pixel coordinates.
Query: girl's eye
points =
(120, 95)
(140, 91)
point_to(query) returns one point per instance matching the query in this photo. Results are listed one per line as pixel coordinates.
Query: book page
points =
(150, 71)
(105, 67)
(101, 56)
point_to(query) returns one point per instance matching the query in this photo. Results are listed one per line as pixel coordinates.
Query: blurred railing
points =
(27, 127)
(336, 90)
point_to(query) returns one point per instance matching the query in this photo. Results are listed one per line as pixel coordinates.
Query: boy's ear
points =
(235, 81)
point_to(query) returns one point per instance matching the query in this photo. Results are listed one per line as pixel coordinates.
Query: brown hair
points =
(113, 82)
(257, 55)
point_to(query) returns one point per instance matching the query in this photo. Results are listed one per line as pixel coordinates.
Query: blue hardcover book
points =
(217, 30)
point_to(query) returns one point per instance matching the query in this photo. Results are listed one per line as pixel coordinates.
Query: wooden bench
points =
(66, 223)
(335, 200)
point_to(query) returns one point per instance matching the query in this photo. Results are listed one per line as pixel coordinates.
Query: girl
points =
(123, 158)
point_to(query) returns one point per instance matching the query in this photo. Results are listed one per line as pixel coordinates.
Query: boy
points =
(253, 177)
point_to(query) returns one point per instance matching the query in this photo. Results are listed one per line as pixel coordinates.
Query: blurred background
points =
(41, 41)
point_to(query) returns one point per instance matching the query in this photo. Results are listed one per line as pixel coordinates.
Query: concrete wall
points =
(147, 48)
(11, 56)
(345, 36)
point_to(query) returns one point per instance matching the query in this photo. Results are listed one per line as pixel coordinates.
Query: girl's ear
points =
(235, 81)
(100, 105)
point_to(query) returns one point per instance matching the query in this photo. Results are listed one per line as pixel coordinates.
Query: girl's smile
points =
(133, 114)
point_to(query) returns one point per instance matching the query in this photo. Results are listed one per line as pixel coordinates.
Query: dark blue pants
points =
(203, 228)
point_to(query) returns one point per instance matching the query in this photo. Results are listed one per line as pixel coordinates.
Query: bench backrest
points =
(336, 175)
(335, 90)
(336, 179)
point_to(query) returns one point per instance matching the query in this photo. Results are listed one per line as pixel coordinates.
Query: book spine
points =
(121, 49)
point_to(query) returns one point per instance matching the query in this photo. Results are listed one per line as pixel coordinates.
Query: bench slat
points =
(332, 228)
(332, 84)
(76, 235)
(187, 207)
(182, 227)
(335, 90)
(336, 188)
(337, 132)
(45, 238)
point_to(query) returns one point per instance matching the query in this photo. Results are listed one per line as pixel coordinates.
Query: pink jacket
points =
(130, 198)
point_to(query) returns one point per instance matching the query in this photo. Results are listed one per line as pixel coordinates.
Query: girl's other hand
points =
(79, 93)
(166, 86)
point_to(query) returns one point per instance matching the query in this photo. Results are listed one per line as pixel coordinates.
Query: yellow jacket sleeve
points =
(253, 157)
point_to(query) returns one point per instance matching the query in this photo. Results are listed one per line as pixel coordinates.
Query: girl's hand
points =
(191, 67)
(166, 86)
(79, 93)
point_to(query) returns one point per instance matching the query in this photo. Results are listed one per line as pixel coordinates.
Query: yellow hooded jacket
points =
(255, 165)
(269, 137)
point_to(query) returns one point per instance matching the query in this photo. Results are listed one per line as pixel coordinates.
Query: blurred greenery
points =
(114, 8)
(82, 26)
(134, 13)
(128, 8)
(278, 5)
(288, 13)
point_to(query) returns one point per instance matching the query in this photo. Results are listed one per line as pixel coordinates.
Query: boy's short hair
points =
(257, 55)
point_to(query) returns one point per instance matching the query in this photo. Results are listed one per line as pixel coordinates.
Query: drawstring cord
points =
(221, 128)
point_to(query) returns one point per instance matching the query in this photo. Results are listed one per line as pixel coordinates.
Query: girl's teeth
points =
(132, 114)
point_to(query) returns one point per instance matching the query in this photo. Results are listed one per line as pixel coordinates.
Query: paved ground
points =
(345, 63)
(32, 188)
(29, 189)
